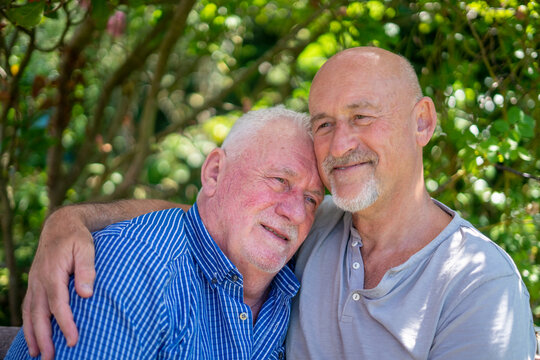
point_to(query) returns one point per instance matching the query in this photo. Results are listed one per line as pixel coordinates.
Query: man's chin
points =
(356, 203)
(269, 264)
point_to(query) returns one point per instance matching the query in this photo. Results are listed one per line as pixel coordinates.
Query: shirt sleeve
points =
(492, 321)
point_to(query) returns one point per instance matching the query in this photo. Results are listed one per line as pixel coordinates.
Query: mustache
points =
(353, 157)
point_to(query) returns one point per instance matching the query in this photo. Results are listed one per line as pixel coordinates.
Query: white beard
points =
(360, 201)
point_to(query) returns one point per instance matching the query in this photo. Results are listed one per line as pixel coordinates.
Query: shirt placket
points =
(356, 273)
(239, 318)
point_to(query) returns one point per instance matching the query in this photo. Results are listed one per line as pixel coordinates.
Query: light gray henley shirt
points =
(460, 297)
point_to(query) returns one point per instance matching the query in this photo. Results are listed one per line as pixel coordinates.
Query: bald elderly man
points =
(387, 272)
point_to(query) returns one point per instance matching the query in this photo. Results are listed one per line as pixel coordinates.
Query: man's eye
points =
(280, 180)
(311, 200)
(363, 119)
(322, 125)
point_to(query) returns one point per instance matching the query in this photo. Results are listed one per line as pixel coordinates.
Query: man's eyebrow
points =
(288, 171)
(318, 117)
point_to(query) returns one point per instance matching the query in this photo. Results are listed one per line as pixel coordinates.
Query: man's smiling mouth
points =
(351, 166)
(269, 229)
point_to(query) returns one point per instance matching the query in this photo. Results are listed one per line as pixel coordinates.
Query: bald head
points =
(372, 60)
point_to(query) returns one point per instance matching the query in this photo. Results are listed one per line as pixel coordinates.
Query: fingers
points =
(28, 328)
(58, 297)
(60, 252)
(40, 320)
(85, 273)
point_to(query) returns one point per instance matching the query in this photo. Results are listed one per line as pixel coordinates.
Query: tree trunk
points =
(14, 290)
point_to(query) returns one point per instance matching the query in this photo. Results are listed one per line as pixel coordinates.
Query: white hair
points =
(253, 121)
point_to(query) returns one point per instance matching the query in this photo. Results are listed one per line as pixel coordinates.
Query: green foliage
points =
(27, 15)
(83, 119)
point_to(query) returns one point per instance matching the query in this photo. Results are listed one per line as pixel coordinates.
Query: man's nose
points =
(344, 140)
(292, 207)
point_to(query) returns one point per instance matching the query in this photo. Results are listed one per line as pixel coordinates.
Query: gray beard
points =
(369, 193)
(365, 198)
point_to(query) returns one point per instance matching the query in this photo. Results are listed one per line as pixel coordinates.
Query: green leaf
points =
(526, 126)
(524, 154)
(524, 123)
(208, 12)
(514, 135)
(501, 126)
(515, 114)
(28, 15)
(100, 13)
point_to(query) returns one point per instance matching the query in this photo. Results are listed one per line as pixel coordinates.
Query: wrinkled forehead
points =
(292, 151)
(280, 141)
(353, 81)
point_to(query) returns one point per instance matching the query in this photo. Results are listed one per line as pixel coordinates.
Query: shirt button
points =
(356, 296)
(280, 355)
(355, 243)
(243, 316)
(234, 278)
(356, 265)
(214, 281)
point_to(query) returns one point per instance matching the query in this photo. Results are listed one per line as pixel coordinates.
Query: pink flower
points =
(117, 23)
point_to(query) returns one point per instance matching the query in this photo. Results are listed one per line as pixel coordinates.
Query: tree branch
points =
(243, 74)
(62, 36)
(517, 172)
(482, 49)
(146, 128)
(135, 60)
(13, 87)
(56, 179)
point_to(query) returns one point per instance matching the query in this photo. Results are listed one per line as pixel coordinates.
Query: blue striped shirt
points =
(165, 290)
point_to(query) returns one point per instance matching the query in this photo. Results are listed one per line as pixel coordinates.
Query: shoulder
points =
(136, 259)
(473, 253)
(466, 262)
(482, 289)
(164, 234)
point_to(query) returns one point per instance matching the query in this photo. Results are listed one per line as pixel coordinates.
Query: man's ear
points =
(211, 169)
(426, 119)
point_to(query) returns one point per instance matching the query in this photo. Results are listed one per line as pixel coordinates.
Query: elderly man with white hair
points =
(210, 283)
